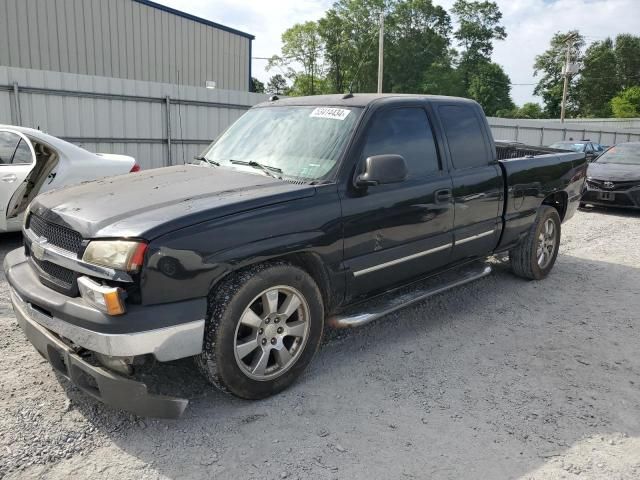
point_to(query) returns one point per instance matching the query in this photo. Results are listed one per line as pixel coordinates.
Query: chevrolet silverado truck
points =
(307, 212)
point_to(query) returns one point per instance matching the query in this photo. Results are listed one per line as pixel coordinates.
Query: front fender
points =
(189, 262)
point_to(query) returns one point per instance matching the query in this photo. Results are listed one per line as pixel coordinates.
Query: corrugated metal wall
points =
(121, 116)
(124, 39)
(546, 132)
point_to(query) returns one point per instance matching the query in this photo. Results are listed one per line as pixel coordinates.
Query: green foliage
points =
(340, 51)
(419, 27)
(596, 85)
(627, 54)
(277, 85)
(627, 103)
(528, 110)
(490, 87)
(550, 64)
(359, 21)
(256, 85)
(301, 44)
(479, 26)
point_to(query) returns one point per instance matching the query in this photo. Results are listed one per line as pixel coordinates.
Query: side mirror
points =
(381, 170)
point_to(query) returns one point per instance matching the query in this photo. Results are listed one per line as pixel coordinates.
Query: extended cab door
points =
(17, 159)
(398, 231)
(478, 185)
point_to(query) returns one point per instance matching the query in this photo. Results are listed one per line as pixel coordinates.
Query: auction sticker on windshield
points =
(328, 112)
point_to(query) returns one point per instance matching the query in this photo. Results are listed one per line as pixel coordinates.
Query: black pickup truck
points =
(307, 212)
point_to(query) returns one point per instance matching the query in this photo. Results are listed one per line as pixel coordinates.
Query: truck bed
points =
(531, 174)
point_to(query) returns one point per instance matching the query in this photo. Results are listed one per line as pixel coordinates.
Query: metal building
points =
(131, 39)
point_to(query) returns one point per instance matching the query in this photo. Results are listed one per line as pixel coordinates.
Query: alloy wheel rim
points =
(272, 333)
(547, 240)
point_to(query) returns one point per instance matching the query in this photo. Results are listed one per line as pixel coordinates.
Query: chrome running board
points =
(384, 304)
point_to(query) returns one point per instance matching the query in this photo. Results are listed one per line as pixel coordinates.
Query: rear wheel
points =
(536, 254)
(264, 327)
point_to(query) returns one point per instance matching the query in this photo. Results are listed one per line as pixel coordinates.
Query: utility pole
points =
(380, 53)
(567, 59)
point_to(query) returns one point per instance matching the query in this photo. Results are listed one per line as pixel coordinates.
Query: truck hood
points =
(155, 202)
(615, 172)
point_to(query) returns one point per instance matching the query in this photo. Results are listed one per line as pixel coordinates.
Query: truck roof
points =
(359, 99)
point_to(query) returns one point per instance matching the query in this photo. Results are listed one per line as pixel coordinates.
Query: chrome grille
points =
(57, 235)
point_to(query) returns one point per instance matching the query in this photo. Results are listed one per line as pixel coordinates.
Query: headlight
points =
(125, 255)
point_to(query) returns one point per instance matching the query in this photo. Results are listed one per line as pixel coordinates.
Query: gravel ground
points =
(502, 378)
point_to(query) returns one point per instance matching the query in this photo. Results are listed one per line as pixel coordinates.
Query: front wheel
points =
(264, 327)
(536, 254)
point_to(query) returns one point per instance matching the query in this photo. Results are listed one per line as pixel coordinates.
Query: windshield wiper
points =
(201, 157)
(268, 169)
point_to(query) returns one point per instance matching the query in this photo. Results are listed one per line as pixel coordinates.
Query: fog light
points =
(117, 364)
(107, 299)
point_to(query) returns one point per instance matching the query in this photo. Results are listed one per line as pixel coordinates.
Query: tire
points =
(230, 360)
(525, 257)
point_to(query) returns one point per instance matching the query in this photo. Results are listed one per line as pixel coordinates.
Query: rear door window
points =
(465, 136)
(8, 143)
(22, 155)
(406, 132)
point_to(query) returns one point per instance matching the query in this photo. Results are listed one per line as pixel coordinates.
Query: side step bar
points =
(384, 304)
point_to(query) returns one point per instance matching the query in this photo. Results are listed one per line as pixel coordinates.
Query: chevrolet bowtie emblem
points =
(37, 248)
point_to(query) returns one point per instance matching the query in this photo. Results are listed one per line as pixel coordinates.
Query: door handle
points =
(9, 178)
(443, 196)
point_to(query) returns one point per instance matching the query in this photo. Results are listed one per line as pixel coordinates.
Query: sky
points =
(530, 25)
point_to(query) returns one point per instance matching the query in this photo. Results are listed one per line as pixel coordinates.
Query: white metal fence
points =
(159, 124)
(164, 124)
(546, 132)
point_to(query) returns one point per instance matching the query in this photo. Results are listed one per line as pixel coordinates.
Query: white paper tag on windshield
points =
(330, 112)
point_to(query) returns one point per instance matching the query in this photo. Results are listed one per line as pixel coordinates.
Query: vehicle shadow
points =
(10, 241)
(612, 211)
(496, 379)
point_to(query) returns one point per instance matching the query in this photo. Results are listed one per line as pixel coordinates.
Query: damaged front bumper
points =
(56, 324)
(100, 383)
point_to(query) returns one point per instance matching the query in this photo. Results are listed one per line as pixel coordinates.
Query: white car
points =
(32, 162)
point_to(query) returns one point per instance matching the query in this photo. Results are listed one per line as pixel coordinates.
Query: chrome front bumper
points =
(100, 383)
(169, 343)
(167, 331)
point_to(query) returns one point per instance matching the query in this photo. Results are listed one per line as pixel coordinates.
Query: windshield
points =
(576, 147)
(625, 153)
(297, 142)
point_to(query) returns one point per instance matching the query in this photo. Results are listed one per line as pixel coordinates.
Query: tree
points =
(334, 33)
(627, 54)
(550, 65)
(627, 103)
(277, 85)
(442, 78)
(256, 85)
(490, 87)
(478, 26)
(301, 45)
(598, 83)
(528, 110)
(418, 30)
(357, 45)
